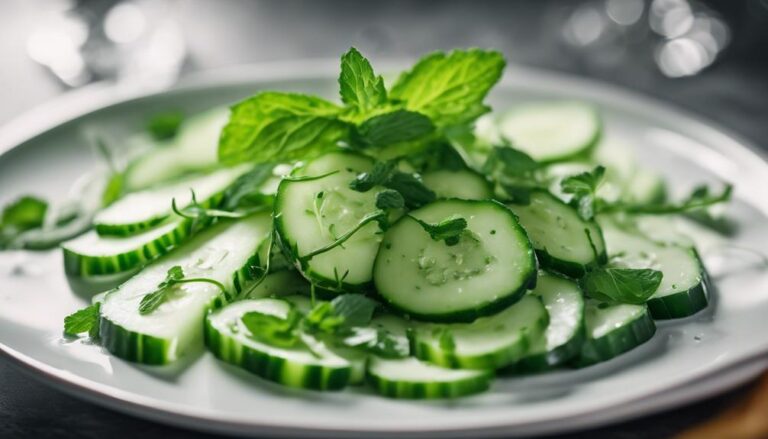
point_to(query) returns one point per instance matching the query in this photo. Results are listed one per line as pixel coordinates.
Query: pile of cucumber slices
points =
(509, 248)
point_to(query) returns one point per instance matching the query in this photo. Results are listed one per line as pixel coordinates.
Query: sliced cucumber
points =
(613, 330)
(91, 255)
(563, 338)
(490, 267)
(409, 378)
(564, 242)
(194, 149)
(230, 341)
(645, 187)
(142, 210)
(464, 184)
(684, 286)
(280, 283)
(487, 343)
(313, 213)
(552, 131)
(223, 253)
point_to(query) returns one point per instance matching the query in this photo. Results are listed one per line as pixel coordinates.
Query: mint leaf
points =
(164, 126)
(358, 84)
(27, 212)
(245, 191)
(153, 300)
(389, 199)
(281, 127)
(366, 181)
(622, 285)
(414, 192)
(509, 163)
(354, 309)
(322, 318)
(448, 230)
(274, 330)
(82, 321)
(583, 187)
(450, 88)
(393, 127)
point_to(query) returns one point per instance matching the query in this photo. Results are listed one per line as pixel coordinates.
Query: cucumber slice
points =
(563, 338)
(645, 187)
(487, 343)
(490, 267)
(228, 339)
(564, 242)
(552, 131)
(684, 286)
(91, 255)
(464, 184)
(280, 283)
(613, 330)
(139, 211)
(409, 378)
(223, 253)
(313, 213)
(194, 149)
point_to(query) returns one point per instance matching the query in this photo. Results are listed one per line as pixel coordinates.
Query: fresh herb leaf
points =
(389, 199)
(378, 342)
(509, 163)
(450, 88)
(440, 156)
(699, 198)
(622, 285)
(448, 230)
(583, 187)
(377, 176)
(354, 309)
(162, 293)
(393, 127)
(245, 191)
(164, 126)
(414, 192)
(82, 321)
(322, 318)
(280, 127)
(358, 84)
(274, 330)
(27, 212)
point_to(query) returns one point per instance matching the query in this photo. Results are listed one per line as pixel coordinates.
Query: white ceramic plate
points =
(686, 360)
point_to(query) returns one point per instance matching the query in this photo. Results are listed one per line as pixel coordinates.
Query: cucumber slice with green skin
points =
(93, 255)
(464, 184)
(490, 268)
(684, 286)
(194, 149)
(224, 253)
(613, 330)
(280, 283)
(409, 378)
(142, 210)
(487, 343)
(564, 242)
(563, 337)
(313, 213)
(229, 340)
(552, 131)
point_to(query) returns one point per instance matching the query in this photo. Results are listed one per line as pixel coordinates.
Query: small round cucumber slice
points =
(562, 340)
(613, 330)
(564, 242)
(684, 286)
(313, 213)
(490, 267)
(552, 131)
(409, 378)
(464, 184)
(487, 343)
(230, 341)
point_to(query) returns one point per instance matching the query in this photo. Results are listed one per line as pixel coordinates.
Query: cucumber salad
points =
(402, 237)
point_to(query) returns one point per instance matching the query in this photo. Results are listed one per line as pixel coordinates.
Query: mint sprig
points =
(164, 291)
(82, 321)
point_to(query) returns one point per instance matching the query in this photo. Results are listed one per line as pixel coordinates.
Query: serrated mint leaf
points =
(448, 230)
(583, 187)
(450, 88)
(389, 199)
(82, 321)
(622, 285)
(354, 309)
(393, 127)
(281, 127)
(274, 330)
(358, 84)
(414, 192)
(366, 181)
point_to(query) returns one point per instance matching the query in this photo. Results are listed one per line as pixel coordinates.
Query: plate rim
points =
(99, 96)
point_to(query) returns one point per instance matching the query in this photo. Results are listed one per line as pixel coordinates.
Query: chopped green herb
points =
(274, 330)
(583, 187)
(448, 230)
(82, 321)
(389, 199)
(164, 290)
(622, 285)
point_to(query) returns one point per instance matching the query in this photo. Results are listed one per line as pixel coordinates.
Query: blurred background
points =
(709, 57)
